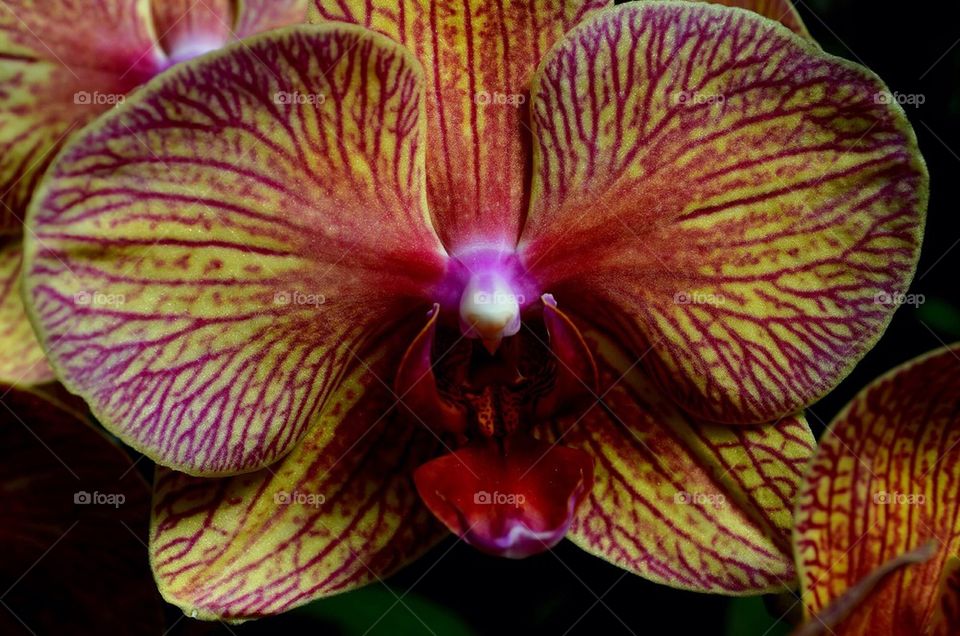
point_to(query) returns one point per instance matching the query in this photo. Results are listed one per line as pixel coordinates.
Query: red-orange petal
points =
(64, 62)
(884, 482)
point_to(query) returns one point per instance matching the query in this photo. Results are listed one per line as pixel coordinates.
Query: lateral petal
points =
(206, 262)
(751, 205)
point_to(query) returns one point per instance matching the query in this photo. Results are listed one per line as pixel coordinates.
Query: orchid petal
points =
(759, 244)
(74, 511)
(479, 58)
(208, 260)
(882, 484)
(64, 62)
(22, 361)
(783, 11)
(946, 616)
(678, 501)
(338, 512)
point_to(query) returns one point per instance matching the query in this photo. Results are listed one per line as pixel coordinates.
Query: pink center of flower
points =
(496, 362)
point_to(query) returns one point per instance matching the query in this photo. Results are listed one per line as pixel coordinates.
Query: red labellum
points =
(513, 497)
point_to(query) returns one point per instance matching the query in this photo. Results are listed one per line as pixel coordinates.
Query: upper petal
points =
(884, 482)
(479, 58)
(207, 260)
(679, 501)
(749, 206)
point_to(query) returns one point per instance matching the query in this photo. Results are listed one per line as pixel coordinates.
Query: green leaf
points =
(380, 610)
(941, 316)
(749, 615)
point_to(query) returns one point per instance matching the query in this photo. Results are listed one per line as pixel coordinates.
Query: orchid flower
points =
(72, 505)
(877, 531)
(517, 271)
(63, 63)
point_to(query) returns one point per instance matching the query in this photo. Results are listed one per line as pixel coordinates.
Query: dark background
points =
(915, 48)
